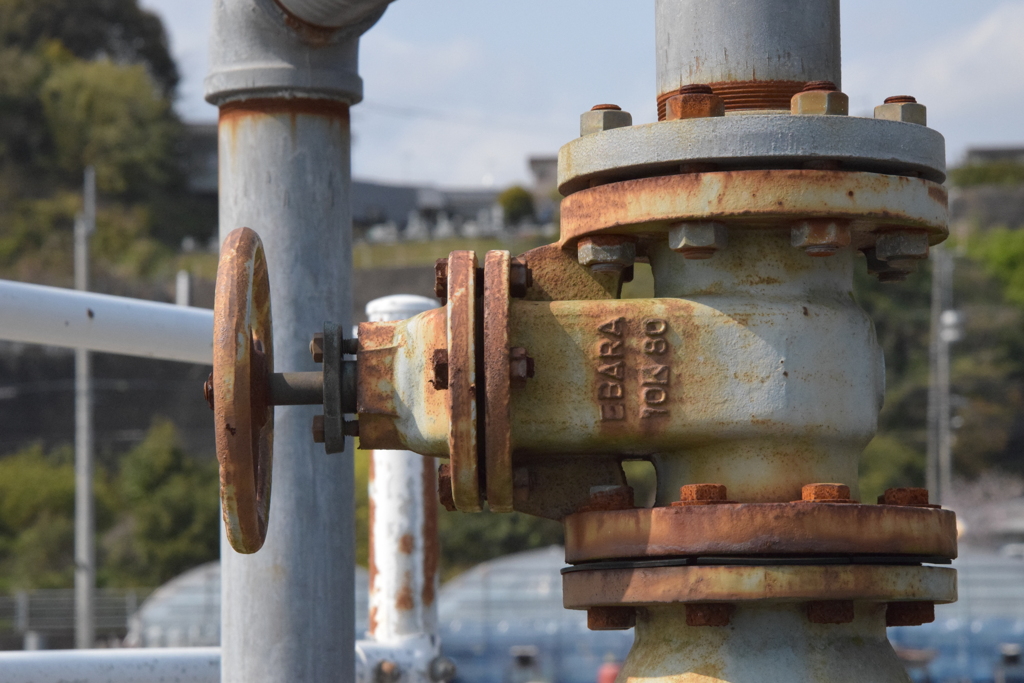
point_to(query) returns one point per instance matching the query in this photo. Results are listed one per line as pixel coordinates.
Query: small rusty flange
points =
(243, 359)
(497, 381)
(771, 198)
(462, 381)
(775, 529)
(772, 583)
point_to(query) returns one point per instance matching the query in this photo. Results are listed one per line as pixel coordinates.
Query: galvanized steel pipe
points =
(36, 314)
(754, 54)
(129, 665)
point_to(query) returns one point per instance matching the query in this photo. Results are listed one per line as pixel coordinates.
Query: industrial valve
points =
(752, 380)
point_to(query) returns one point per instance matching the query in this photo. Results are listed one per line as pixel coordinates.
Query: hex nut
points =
(611, 618)
(694, 106)
(911, 497)
(709, 613)
(318, 429)
(909, 613)
(439, 367)
(520, 365)
(901, 245)
(316, 347)
(442, 669)
(826, 493)
(702, 493)
(820, 237)
(608, 498)
(905, 109)
(208, 391)
(698, 240)
(605, 250)
(441, 280)
(820, 103)
(830, 611)
(520, 279)
(892, 271)
(598, 120)
(387, 671)
(444, 487)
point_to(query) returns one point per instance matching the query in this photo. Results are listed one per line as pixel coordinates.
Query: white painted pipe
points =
(129, 665)
(36, 314)
(335, 13)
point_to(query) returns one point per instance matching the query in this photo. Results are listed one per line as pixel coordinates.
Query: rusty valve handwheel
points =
(243, 358)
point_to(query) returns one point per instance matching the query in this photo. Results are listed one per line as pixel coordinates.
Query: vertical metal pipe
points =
(85, 533)
(284, 87)
(403, 522)
(755, 53)
(939, 463)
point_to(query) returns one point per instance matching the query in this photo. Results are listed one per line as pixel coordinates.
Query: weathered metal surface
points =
(497, 381)
(748, 142)
(703, 41)
(760, 529)
(647, 586)
(869, 201)
(611, 618)
(762, 643)
(556, 275)
(467, 488)
(742, 96)
(243, 357)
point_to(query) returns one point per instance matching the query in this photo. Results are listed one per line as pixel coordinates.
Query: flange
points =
(497, 381)
(752, 142)
(462, 381)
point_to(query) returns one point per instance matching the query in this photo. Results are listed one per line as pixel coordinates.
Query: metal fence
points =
(46, 618)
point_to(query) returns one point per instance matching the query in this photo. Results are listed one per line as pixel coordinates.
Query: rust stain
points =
(497, 380)
(405, 598)
(431, 542)
(406, 544)
(741, 95)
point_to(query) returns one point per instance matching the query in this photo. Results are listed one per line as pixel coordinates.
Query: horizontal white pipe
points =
(155, 665)
(36, 314)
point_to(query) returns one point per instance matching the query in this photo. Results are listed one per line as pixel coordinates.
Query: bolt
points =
(820, 236)
(694, 101)
(441, 280)
(604, 117)
(909, 613)
(891, 271)
(826, 493)
(387, 671)
(901, 245)
(820, 98)
(439, 365)
(318, 429)
(611, 618)
(316, 347)
(830, 612)
(350, 427)
(609, 498)
(902, 108)
(698, 240)
(709, 613)
(441, 669)
(520, 366)
(911, 497)
(208, 391)
(606, 251)
(444, 487)
(701, 494)
(520, 279)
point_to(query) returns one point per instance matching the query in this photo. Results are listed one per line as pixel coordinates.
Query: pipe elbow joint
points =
(336, 14)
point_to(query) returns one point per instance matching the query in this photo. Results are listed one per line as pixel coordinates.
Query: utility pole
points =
(85, 532)
(945, 329)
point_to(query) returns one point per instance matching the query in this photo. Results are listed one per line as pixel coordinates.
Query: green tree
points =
(999, 173)
(118, 30)
(517, 203)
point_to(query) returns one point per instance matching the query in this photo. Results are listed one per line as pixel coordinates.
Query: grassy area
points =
(407, 254)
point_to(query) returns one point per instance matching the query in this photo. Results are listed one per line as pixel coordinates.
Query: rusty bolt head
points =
(604, 117)
(208, 391)
(350, 427)
(611, 618)
(820, 103)
(702, 493)
(439, 367)
(606, 250)
(902, 108)
(891, 271)
(911, 497)
(826, 493)
(694, 102)
(387, 671)
(901, 245)
(441, 669)
(830, 612)
(441, 280)
(698, 240)
(608, 498)
(820, 237)
(318, 429)
(709, 613)
(520, 279)
(520, 366)
(444, 487)
(909, 613)
(316, 347)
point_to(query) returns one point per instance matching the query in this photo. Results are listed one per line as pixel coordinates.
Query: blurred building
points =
(985, 206)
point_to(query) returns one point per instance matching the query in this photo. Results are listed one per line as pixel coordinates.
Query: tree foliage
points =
(998, 173)
(517, 203)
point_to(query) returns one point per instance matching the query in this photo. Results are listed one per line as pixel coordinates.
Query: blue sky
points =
(461, 92)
